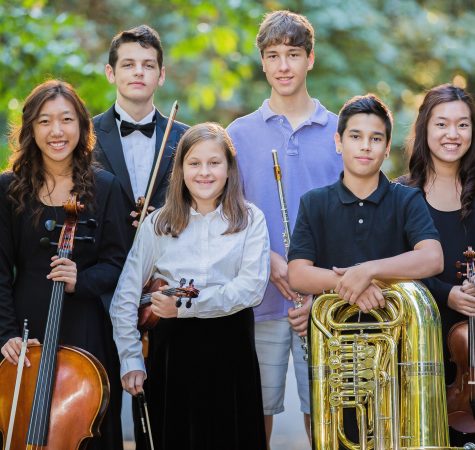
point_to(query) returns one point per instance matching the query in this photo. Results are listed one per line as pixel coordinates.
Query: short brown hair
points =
(175, 214)
(285, 27)
(143, 35)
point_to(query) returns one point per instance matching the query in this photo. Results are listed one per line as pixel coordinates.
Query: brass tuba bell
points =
(389, 371)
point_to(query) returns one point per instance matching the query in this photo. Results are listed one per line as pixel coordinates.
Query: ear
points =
(338, 144)
(109, 71)
(388, 150)
(161, 79)
(311, 60)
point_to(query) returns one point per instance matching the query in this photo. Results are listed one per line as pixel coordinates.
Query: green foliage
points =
(394, 49)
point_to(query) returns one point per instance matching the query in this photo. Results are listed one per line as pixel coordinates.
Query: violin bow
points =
(145, 420)
(171, 119)
(16, 392)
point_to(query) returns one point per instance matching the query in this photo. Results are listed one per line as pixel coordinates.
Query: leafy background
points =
(394, 48)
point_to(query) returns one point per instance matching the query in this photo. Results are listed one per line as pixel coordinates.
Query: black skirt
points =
(204, 390)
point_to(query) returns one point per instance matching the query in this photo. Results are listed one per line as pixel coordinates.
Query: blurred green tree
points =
(394, 48)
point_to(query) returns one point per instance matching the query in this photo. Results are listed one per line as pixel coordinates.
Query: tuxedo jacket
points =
(109, 154)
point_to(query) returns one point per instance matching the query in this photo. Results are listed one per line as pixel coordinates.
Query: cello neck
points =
(40, 412)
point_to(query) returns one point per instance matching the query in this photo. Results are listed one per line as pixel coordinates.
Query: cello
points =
(64, 394)
(461, 344)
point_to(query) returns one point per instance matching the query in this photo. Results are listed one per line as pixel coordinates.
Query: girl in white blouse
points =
(203, 377)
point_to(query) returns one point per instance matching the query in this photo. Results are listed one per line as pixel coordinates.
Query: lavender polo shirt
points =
(308, 160)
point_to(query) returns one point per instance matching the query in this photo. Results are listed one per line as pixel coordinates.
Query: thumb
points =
(339, 270)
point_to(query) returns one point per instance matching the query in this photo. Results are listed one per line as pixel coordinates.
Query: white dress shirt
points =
(231, 271)
(139, 151)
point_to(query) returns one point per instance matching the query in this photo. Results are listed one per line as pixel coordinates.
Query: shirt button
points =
(281, 120)
(360, 203)
(360, 221)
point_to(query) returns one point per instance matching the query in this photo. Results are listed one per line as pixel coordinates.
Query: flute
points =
(286, 236)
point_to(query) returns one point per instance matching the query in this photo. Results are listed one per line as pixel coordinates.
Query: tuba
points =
(390, 371)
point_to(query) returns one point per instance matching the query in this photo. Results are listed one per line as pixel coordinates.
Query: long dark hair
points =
(26, 161)
(175, 214)
(420, 162)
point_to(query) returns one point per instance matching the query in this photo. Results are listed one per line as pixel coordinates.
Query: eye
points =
(377, 139)
(464, 125)
(68, 119)
(150, 66)
(193, 163)
(354, 136)
(215, 163)
(440, 124)
(43, 121)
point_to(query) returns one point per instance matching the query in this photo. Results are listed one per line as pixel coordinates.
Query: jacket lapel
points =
(109, 139)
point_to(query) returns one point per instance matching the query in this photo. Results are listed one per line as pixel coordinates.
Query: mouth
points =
(450, 146)
(284, 80)
(137, 84)
(57, 145)
(364, 159)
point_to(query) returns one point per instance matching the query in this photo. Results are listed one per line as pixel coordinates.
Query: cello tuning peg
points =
(90, 223)
(45, 242)
(459, 274)
(188, 303)
(88, 239)
(178, 303)
(459, 264)
(51, 224)
(191, 282)
(182, 282)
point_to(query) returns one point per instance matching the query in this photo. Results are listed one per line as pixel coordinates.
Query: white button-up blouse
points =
(231, 271)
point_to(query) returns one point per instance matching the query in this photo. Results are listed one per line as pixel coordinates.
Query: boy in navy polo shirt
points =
(362, 227)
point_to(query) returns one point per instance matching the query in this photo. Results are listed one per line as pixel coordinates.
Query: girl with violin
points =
(442, 165)
(52, 153)
(203, 377)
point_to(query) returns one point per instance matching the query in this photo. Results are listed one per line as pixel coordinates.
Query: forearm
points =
(308, 279)
(415, 264)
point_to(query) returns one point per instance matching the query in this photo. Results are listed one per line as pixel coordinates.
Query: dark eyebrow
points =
(67, 111)
(445, 118)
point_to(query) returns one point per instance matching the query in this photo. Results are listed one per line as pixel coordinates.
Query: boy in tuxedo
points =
(129, 134)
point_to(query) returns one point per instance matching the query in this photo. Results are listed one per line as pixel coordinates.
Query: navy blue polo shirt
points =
(336, 228)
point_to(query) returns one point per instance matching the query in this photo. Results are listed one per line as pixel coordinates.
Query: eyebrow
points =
(133, 60)
(355, 130)
(445, 118)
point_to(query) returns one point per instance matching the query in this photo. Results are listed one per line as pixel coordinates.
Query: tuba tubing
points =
(390, 371)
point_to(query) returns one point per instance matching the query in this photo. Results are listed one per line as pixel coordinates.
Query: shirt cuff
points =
(130, 364)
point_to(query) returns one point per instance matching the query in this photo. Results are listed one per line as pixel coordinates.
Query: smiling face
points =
(136, 74)
(286, 68)
(205, 172)
(56, 132)
(449, 132)
(363, 146)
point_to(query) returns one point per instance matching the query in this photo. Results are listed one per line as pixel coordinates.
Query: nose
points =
(284, 64)
(139, 69)
(204, 169)
(56, 128)
(366, 144)
(452, 132)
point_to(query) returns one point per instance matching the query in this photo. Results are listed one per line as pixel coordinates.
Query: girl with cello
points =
(52, 158)
(203, 377)
(442, 165)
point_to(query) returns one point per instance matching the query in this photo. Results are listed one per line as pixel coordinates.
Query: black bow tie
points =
(127, 128)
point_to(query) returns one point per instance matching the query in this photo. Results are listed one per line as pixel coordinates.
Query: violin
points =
(461, 344)
(64, 394)
(147, 319)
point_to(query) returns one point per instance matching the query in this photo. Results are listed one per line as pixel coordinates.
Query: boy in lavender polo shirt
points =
(301, 130)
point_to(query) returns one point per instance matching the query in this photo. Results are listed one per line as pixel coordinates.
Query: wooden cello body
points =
(77, 405)
(64, 394)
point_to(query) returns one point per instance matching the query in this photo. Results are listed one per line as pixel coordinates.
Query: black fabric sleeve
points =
(418, 223)
(8, 324)
(439, 289)
(101, 278)
(302, 243)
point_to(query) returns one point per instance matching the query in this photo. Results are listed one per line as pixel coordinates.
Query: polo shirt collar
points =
(319, 115)
(218, 210)
(347, 197)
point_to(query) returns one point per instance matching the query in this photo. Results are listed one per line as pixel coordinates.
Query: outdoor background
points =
(394, 48)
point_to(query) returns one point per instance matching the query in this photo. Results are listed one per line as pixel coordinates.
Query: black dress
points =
(455, 235)
(85, 320)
